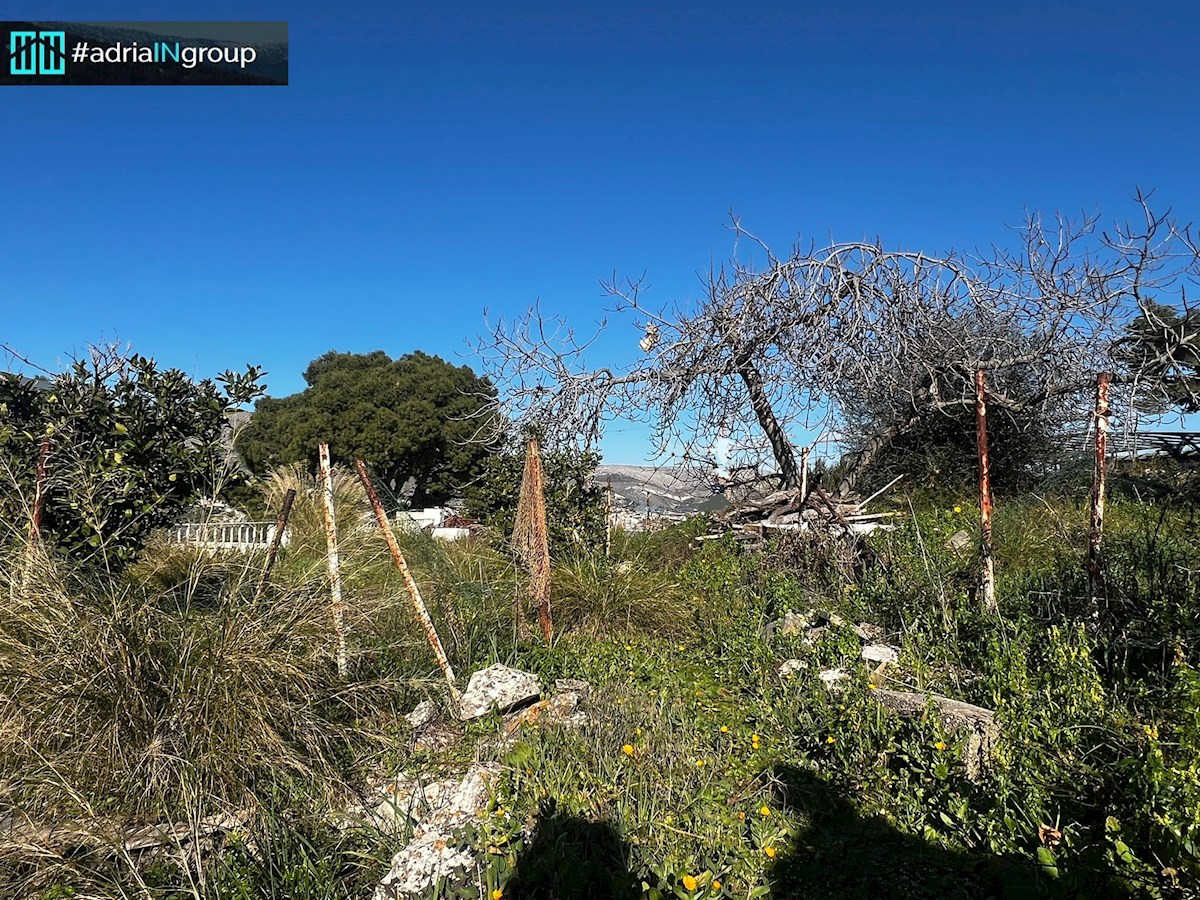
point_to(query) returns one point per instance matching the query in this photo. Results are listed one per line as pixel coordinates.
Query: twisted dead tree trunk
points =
(781, 447)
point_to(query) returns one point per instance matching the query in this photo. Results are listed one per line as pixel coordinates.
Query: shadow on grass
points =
(842, 854)
(571, 858)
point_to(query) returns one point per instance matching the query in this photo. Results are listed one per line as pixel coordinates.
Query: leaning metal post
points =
(335, 571)
(1096, 531)
(988, 577)
(414, 592)
(276, 539)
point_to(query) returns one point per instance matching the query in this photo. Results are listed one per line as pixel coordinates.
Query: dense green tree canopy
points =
(130, 447)
(415, 417)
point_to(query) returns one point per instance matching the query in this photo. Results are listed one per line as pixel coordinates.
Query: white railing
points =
(241, 536)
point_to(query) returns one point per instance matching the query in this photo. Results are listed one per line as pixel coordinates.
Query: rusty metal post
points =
(276, 539)
(414, 591)
(608, 518)
(988, 577)
(35, 514)
(335, 569)
(531, 537)
(39, 492)
(1096, 531)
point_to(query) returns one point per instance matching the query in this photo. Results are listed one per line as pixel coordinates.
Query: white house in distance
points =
(433, 520)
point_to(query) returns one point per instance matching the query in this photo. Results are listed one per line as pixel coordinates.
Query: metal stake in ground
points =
(1096, 531)
(39, 492)
(530, 537)
(414, 592)
(987, 582)
(335, 569)
(276, 539)
(608, 518)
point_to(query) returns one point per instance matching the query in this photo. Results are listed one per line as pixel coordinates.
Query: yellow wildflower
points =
(770, 851)
(765, 811)
(716, 885)
(940, 745)
(741, 816)
(958, 509)
(497, 893)
(627, 749)
(831, 740)
(724, 729)
(699, 763)
(690, 882)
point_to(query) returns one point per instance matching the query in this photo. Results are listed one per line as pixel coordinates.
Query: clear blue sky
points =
(428, 161)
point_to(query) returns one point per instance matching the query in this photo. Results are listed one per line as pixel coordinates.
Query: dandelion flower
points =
(831, 740)
(497, 893)
(627, 749)
(724, 729)
(716, 885)
(699, 763)
(765, 811)
(770, 851)
(958, 509)
(690, 882)
(940, 745)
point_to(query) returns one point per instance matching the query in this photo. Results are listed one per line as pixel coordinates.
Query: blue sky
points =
(426, 162)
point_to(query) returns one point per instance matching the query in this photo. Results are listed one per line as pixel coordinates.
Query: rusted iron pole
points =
(39, 492)
(988, 578)
(335, 569)
(531, 537)
(276, 539)
(608, 518)
(414, 591)
(1096, 531)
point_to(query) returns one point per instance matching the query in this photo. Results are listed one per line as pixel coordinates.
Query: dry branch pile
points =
(791, 510)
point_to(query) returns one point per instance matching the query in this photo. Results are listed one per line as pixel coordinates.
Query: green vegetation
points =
(130, 447)
(171, 692)
(417, 417)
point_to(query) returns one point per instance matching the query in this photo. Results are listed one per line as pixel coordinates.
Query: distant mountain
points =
(668, 491)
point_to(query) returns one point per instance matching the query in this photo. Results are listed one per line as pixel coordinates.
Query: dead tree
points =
(795, 341)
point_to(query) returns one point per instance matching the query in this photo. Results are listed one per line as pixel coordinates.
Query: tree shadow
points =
(843, 854)
(572, 858)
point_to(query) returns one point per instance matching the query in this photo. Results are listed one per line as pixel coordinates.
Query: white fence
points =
(239, 536)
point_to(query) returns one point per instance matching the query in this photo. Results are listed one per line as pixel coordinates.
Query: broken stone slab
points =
(561, 709)
(572, 686)
(425, 714)
(867, 632)
(789, 625)
(833, 678)
(958, 541)
(789, 668)
(813, 635)
(501, 688)
(880, 653)
(439, 811)
(957, 718)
